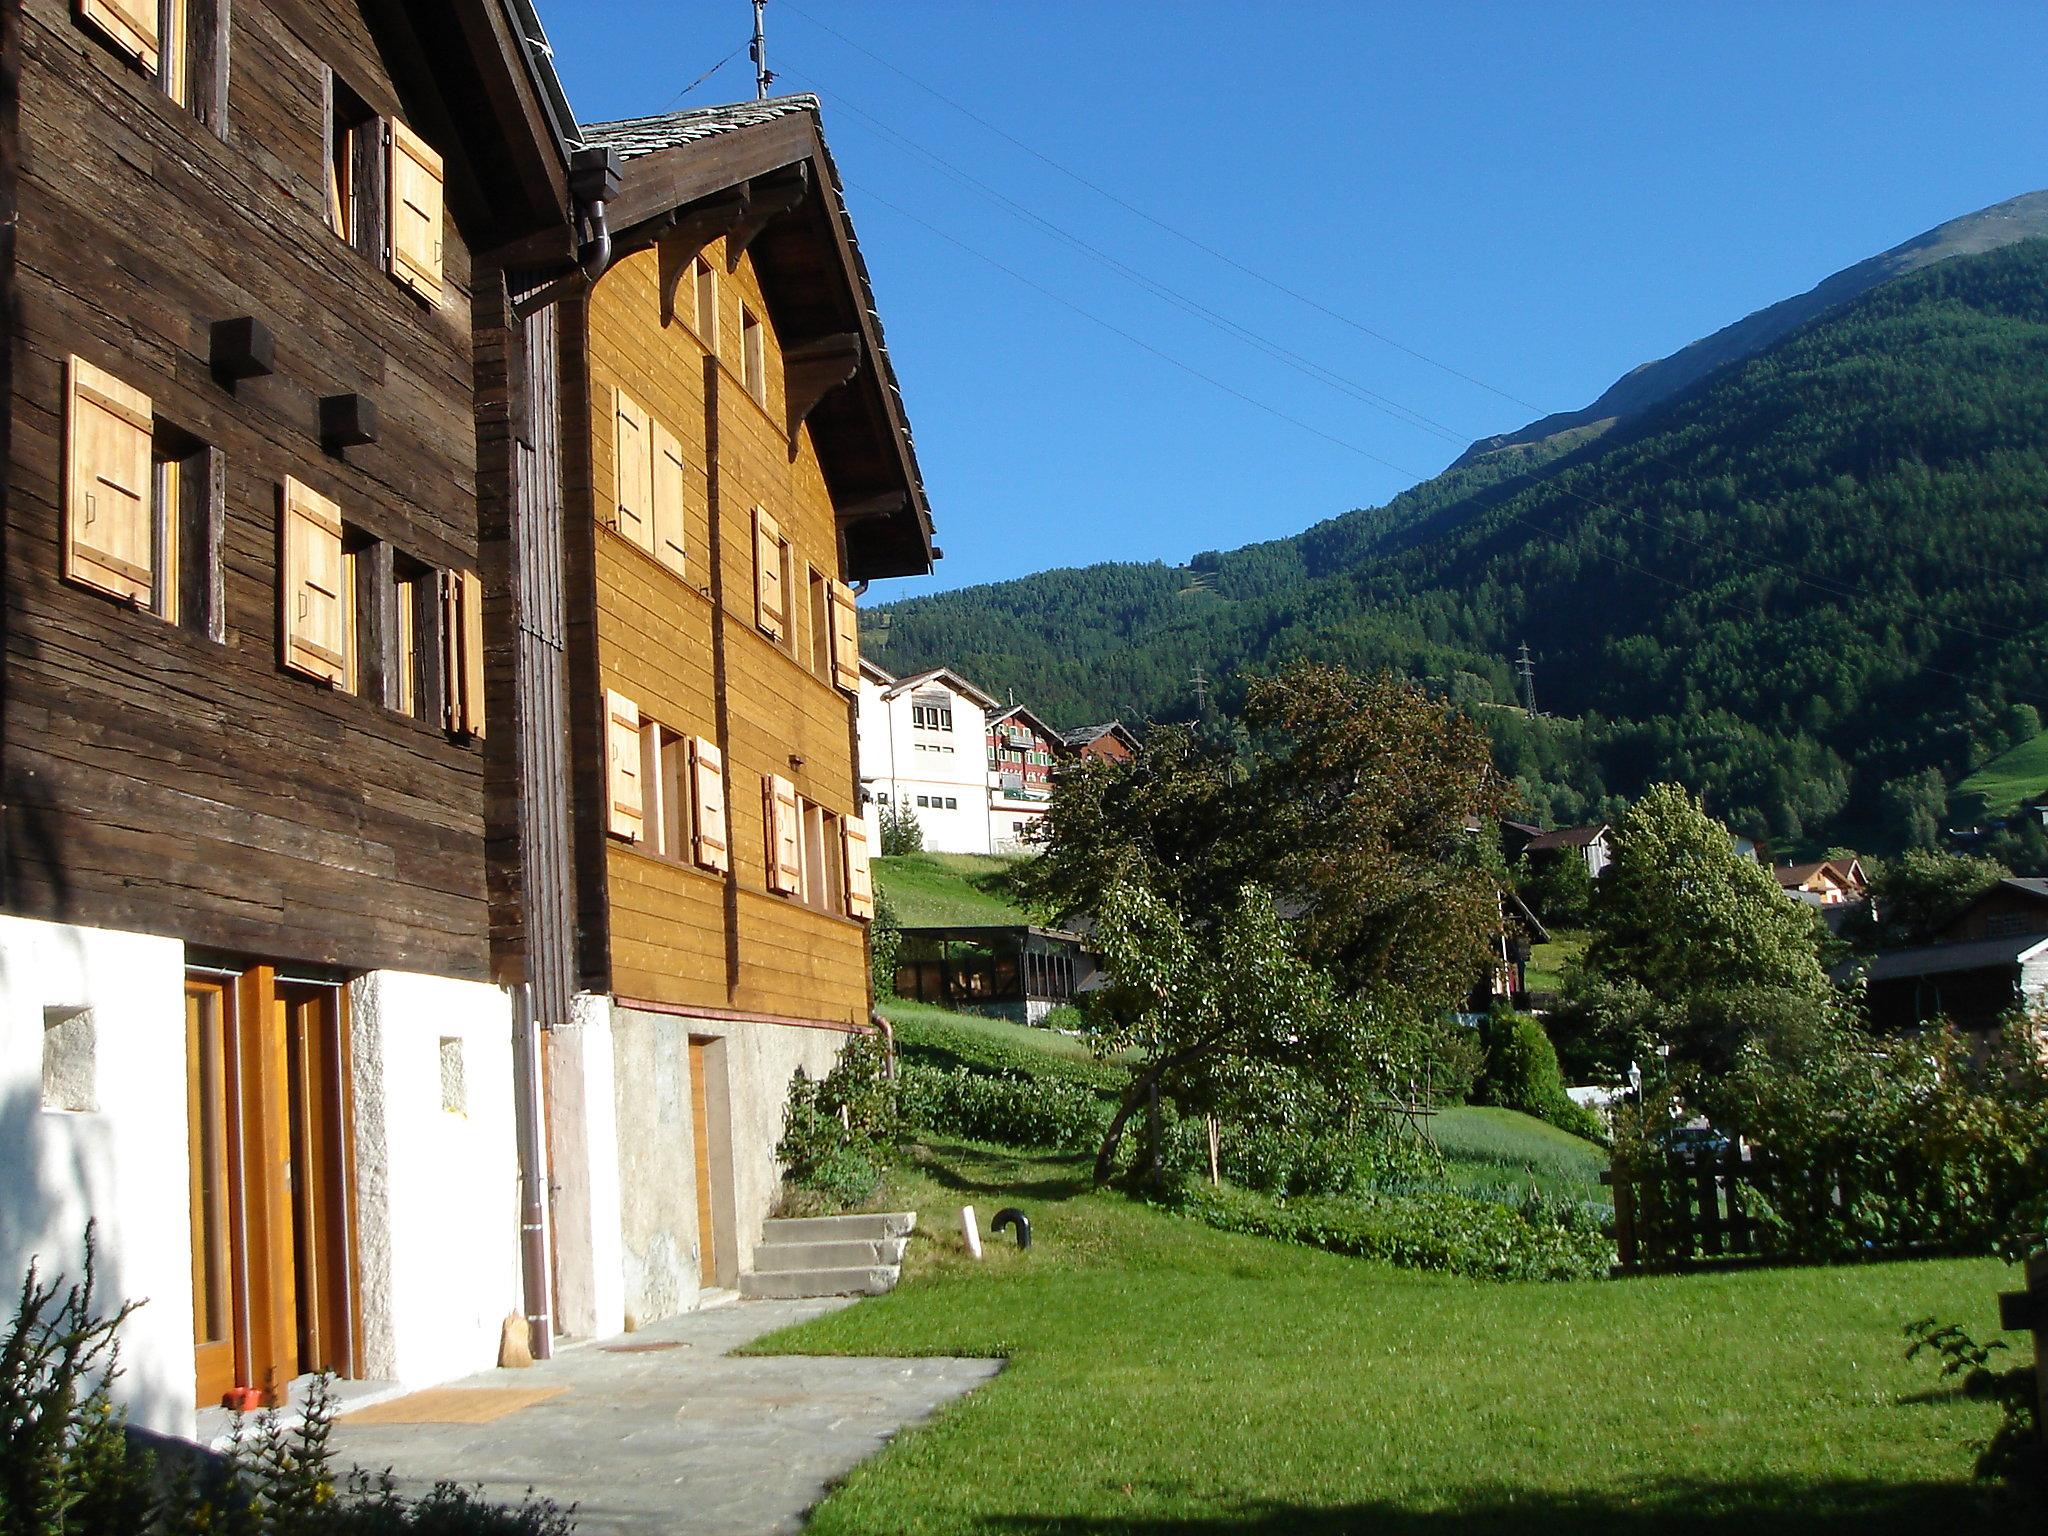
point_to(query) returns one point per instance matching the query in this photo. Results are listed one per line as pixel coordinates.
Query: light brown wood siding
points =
(678, 934)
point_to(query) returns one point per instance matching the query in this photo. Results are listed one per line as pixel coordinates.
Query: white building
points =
(924, 748)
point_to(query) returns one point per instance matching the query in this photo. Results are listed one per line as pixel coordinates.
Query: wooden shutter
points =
(462, 653)
(845, 637)
(785, 837)
(860, 878)
(415, 213)
(109, 519)
(130, 25)
(634, 455)
(622, 771)
(770, 605)
(315, 627)
(668, 499)
(712, 843)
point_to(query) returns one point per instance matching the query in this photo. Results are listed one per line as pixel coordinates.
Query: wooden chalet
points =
(277, 511)
(1111, 741)
(736, 458)
(1823, 882)
(1022, 752)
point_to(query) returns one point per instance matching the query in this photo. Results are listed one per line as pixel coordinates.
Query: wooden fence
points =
(1696, 1207)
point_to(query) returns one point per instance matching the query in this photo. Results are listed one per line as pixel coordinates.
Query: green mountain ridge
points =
(1800, 585)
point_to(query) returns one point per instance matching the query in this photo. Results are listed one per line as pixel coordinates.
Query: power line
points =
(714, 69)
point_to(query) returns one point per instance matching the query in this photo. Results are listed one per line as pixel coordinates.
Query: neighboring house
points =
(1594, 845)
(1021, 752)
(1017, 972)
(1972, 984)
(1824, 882)
(262, 889)
(738, 454)
(2012, 907)
(923, 749)
(1111, 742)
(1747, 848)
(1513, 947)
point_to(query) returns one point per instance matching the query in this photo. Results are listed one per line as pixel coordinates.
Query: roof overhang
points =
(952, 680)
(769, 179)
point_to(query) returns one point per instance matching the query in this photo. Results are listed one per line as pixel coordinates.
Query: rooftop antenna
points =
(758, 52)
(1525, 669)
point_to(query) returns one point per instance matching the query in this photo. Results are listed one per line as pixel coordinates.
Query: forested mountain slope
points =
(1810, 586)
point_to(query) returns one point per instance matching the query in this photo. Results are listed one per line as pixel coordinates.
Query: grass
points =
(1501, 1152)
(940, 1037)
(1545, 971)
(933, 890)
(1164, 1377)
(2001, 784)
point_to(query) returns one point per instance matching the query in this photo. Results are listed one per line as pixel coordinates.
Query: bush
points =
(1065, 1018)
(1016, 1111)
(1456, 1058)
(67, 1465)
(885, 944)
(1522, 1073)
(1452, 1234)
(837, 1131)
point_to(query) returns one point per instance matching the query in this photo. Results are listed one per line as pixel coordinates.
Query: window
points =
(140, 503)
(711, 840)
(704, 289)
(622, 767)
(821, 624)
(633, 447)
(354, 135)
(860, 883)
(177, 43)
(416, 642)
(462, 653)
(665, 788)
(924, 800)
(415, 212)
(70, 1061)
(385, 191)
(316, 601)
(845, 626)
(932, 714)
(882, 797)
(753, 356)
(824, 859)
(668, 499)
(952, 803)
(783, 818)
(771, 559)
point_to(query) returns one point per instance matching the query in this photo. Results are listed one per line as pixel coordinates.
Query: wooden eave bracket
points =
(890, 504)
(696, 227)
(767, 200)
(813, 370)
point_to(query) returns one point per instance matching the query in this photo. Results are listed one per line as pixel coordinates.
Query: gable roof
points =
(1566, 837)
(817, 288)
(1946, 959)
(949, 678)
(1846, 872)
(1088, 735)
(1019, 711)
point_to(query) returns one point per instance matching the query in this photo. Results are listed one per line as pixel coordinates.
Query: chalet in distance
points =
(1022, 750)
(428, 732)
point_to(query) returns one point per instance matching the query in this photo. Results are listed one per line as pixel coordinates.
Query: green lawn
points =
(957, 889)
(2001, 784)
(1501, 1152)
(1164, 1377)
(1545, 971)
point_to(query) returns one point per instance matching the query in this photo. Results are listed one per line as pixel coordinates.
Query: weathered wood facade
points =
(177, 776)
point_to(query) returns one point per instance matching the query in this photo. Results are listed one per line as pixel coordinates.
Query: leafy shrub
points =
(1449, 1233)
(1324, 1158)
(1065, 1018)
(1522, 1073)
(1456, 1058)
(1016, 1111)
(2011, 1452)
(885, 943)
(67, 1465)
(838, 1129)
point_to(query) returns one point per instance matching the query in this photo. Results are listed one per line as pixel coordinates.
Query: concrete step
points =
(838, 1229)
(789, 1284)
(854, 1254)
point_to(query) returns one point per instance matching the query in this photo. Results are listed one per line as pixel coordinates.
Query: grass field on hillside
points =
(2001, 784)
(1164, 1377)
(929, 890)
(1501, 1152)
(1547, 961)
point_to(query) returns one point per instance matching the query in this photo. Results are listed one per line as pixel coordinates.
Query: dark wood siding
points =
(155, 779)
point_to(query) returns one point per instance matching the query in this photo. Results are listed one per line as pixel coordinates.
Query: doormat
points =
(453, 1405)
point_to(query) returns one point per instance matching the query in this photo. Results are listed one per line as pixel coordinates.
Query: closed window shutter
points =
(130, 25)
(845, 638)
(785, 837)
(635, 473)
(109, 522)
(668, 499)
(315, 623)
(622, 773)
(416, 214)
(713, 844)
(860, 879)
(769, 610)
(462, 653)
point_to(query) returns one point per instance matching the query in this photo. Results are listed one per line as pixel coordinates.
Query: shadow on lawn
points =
(1663, 1508)
(1061, 1176)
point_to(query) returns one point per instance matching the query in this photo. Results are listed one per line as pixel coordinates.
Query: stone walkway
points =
(682, 1440)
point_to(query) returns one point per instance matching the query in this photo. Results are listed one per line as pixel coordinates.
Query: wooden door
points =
(213, 1129)
(317, 1116)
(700, 1135)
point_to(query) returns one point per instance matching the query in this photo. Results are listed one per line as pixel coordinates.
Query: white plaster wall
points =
(583, 1167)
(122, 1163)
(437, 1195)
(1008, 829)
(903, 762)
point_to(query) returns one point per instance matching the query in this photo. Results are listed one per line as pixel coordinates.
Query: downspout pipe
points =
(594, 180)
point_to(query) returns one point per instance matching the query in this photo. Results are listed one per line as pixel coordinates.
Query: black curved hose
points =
(1009, 1215)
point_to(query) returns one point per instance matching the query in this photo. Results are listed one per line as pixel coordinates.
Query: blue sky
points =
(1533, 197)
